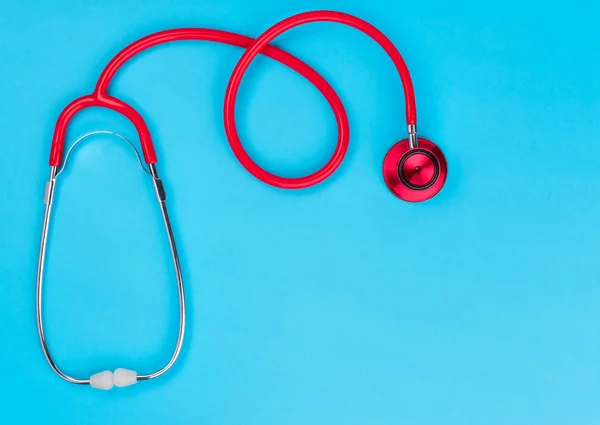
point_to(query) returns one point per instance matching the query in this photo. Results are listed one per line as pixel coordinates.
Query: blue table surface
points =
(339, 304)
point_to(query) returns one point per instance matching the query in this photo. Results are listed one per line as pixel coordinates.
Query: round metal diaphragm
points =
(415, 175)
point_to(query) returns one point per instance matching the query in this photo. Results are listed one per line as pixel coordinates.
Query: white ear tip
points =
(102, 381)
(125, 377)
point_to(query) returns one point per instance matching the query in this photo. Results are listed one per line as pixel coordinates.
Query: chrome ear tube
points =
(121, 377)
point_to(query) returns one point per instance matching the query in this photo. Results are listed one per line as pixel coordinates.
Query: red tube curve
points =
(101, 98)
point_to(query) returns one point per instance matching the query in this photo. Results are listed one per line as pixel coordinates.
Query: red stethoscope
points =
(414, 169)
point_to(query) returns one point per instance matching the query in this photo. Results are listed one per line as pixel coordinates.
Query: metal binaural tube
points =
(161, 196)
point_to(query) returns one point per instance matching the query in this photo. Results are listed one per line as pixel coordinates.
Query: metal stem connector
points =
(412, 136)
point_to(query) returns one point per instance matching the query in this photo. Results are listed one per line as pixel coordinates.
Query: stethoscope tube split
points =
(414, 169)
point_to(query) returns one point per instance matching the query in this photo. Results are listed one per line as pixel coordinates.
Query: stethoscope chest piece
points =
(415, 174)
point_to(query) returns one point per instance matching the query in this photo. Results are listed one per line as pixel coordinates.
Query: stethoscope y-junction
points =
(414, 169)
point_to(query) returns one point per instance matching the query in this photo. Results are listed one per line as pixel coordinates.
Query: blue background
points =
(335, 305)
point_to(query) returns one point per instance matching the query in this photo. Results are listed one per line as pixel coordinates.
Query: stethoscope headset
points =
(414, 169)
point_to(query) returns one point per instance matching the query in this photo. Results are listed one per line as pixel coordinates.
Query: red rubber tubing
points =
(101, 98)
